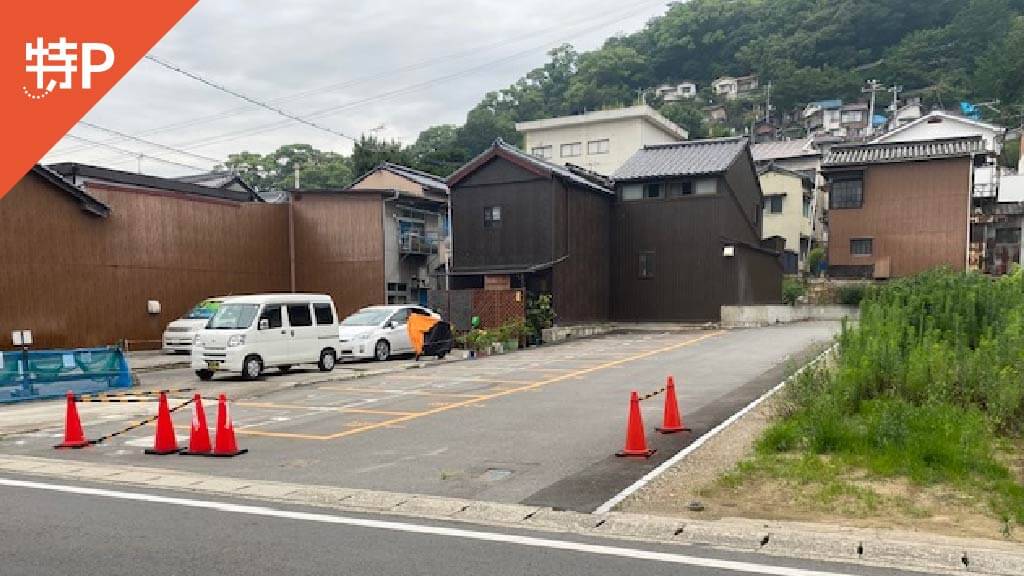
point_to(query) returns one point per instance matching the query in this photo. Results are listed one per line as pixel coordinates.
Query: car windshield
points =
(367, 317)
(203, 311)
(233, 316)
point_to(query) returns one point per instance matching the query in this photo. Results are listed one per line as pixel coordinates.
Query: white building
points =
(681, 91)
(733, 87)
(939, 125)
(599, 141)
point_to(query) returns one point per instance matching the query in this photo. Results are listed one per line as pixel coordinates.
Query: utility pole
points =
(296, 175)
(895, 89)
(768, 104)
(872, 87)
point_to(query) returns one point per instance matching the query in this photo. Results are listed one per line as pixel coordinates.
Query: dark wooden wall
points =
(79, 280)
(76, 279)
(685, 236)
(581, 283)
(527, 219)
(916, 212)
(339, 248)
(752, 277)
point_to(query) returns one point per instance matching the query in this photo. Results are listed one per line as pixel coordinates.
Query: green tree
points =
(437, 150)
(370, 151)
(687, 114)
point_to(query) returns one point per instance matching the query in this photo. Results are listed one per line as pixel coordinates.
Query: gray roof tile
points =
(690, 158)
(903, 151)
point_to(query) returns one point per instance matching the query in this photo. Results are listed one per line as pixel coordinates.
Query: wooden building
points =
(673, 239)
(687, 233)
(896, 209)
(85, 249)
(521, 222)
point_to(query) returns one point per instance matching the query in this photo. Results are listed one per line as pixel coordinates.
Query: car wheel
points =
(382, 350)
(327, 361)
(284, 368)
(441, 355)
(204, 375)
(252, 367)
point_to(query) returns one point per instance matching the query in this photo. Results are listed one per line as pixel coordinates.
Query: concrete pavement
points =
(83, 529)
(537, 426)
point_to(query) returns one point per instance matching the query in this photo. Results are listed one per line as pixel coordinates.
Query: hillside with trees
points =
(942, 51)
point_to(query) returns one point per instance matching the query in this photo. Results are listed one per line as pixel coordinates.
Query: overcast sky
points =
(357, 56)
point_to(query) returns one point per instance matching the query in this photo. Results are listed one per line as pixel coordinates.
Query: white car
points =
(378, 331)
(251, 333)
(179, 334)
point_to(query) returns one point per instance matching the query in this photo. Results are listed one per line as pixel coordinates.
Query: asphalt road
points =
(48, 530)
(538, 426)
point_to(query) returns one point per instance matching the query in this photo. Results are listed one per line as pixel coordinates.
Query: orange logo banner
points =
(58, 58)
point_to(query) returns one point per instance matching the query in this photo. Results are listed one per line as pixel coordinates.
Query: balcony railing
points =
(412, 243)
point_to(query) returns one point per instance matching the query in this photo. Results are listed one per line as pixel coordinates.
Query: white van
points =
(179, 334)
(249, 334)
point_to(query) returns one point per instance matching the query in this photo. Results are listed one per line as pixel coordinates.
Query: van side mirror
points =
(264, 324)
(390, 324)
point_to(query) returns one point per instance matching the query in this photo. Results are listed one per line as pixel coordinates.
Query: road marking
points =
(469, 399)
(646, 478)
(531, 386)
(514, 539)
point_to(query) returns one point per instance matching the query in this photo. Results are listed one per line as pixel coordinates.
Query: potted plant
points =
(539, 315)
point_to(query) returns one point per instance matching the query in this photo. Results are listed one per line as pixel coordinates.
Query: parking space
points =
(501, 428)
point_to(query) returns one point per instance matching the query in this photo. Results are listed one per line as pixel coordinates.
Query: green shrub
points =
(792, 289)
(539, 313)
(815, 258)
(851, 295)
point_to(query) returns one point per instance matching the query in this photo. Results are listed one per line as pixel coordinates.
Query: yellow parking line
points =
(531, 386)
(470, 400)
(331, 408)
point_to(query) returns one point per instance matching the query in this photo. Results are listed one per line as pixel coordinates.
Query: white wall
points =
(625, 137)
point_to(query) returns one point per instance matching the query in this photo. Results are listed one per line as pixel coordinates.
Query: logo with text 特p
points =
(56, 65)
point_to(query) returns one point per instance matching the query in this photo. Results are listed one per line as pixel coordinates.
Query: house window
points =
(807, 207)
(597, 147)
(632, 191)
(861, 246)
(679, 189)
(541, 151)
(571, 150)
(773, 204)
(492, 217)
(847, 192)
(646, 264)
(652, 190)
(706, 186)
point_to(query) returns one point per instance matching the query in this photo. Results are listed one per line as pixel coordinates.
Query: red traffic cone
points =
(199, 436)
(74, 436)
(636, 442)
(672, 422)
(164, 442)
(224, 444)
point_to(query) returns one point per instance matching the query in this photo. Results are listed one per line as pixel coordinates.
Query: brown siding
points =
(524, 237)
(915, 212)
(498, 307)
(80, 280)
(339, 248)
(685, 236)
(582, 281)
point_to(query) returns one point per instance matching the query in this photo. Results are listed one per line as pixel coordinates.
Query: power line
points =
(135, 154)
(208, 141)
(348, 83)
(148, 142)
(248, 99)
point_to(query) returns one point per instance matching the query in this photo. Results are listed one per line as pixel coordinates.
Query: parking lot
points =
(539, 425)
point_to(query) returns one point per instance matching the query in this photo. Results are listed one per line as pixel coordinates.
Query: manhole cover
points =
(495, 474)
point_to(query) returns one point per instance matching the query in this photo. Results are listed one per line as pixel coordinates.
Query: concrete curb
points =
(880, 548)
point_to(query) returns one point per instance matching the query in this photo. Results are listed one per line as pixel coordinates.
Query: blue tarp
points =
(36, 374)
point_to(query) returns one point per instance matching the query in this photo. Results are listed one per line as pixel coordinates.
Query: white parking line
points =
(632, 553)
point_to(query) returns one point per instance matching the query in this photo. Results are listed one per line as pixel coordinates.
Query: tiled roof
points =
(682, 159)
(904, 151)
(782, 149)
(501, 148)
(424, 179)
(73, 170)
(88, 202)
